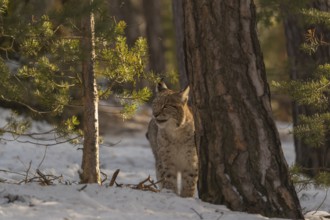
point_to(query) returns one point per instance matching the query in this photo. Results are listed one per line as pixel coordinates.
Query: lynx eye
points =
(169, 107)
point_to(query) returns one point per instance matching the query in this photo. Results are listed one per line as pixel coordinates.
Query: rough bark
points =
(241, 161)
(90, 161)
(311, 159)
(154, 33)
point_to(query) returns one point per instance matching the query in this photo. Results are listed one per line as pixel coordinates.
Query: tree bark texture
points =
(241, 161)
(90, 161)
(302, 65)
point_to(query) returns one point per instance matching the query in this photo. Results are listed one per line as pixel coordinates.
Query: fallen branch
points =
(44, 179)
(146, 185)
(82, 188)
(199, 215)
(114, 176)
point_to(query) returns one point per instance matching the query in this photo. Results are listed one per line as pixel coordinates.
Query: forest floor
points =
(126, 148)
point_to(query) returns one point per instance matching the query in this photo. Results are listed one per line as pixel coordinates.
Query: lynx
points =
(171, 136)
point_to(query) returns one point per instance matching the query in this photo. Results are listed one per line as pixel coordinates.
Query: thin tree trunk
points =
(311, 159)
(154, 35)
(129, 12)
(178, 25)
(241, 161)
(90, 161)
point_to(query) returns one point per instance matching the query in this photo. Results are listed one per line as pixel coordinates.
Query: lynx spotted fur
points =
(171, 136)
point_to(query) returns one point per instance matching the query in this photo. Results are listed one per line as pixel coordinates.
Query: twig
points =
(82, 188)
(150, 187)
(30, 134)
(44, 178)
(40, 144)
(7, 171)
(28, 106)
(114, 176)
(154, 184)
(114, 144)
(200, 216)
(105, 179)
(43, 157)
(140, 185)
(27, 171)
(220, 215)
(325, 197)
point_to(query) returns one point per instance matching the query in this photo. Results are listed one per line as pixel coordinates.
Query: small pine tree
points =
(48, 77)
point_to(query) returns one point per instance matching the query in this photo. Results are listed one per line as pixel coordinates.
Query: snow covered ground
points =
(68, 200)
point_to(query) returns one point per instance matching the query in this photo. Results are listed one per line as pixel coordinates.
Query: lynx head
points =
(170, 108)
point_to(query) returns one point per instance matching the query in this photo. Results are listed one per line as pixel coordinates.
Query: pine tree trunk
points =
(178, 25)
(302, 65)
(154, 35)
(241, 161)
(130, 12)
(90, 161)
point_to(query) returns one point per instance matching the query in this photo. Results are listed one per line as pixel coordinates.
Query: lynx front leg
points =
(189, 182)
(168, 176)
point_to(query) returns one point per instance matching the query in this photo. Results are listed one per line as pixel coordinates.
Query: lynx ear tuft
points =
(161, 86)
(185, 94)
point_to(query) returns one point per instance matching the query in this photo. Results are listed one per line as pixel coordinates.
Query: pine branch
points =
(43, 144)
(29, 107)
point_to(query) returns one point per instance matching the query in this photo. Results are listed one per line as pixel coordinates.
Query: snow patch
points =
(134, 159)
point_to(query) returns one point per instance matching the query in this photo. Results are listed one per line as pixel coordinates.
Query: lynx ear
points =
(185, 94)
(161, 86)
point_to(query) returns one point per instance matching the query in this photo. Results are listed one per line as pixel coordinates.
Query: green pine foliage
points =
(314, 16)
(270, 11)
(47, 77)
(310, 92)
(313, 91)
(312, 129)
(321, 180)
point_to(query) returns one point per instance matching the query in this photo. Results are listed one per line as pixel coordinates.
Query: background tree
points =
(178, 25)
(146, 18)
(154, 34)
(305, 29)
(241, 161)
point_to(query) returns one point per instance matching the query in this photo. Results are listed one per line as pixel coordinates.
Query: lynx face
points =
(168, 108)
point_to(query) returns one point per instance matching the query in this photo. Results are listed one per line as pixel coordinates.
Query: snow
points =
(68, 200)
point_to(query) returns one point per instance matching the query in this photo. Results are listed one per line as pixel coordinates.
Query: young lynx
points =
(171, 136)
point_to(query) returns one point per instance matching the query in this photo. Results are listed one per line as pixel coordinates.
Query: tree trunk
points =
(154, 35)
(90, 161)
(179, 41)
(302, 65)
(241, 161)
(128, 11)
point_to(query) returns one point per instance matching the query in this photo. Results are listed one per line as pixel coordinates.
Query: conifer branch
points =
(52, 131)
(29, 107)
(43, 144)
